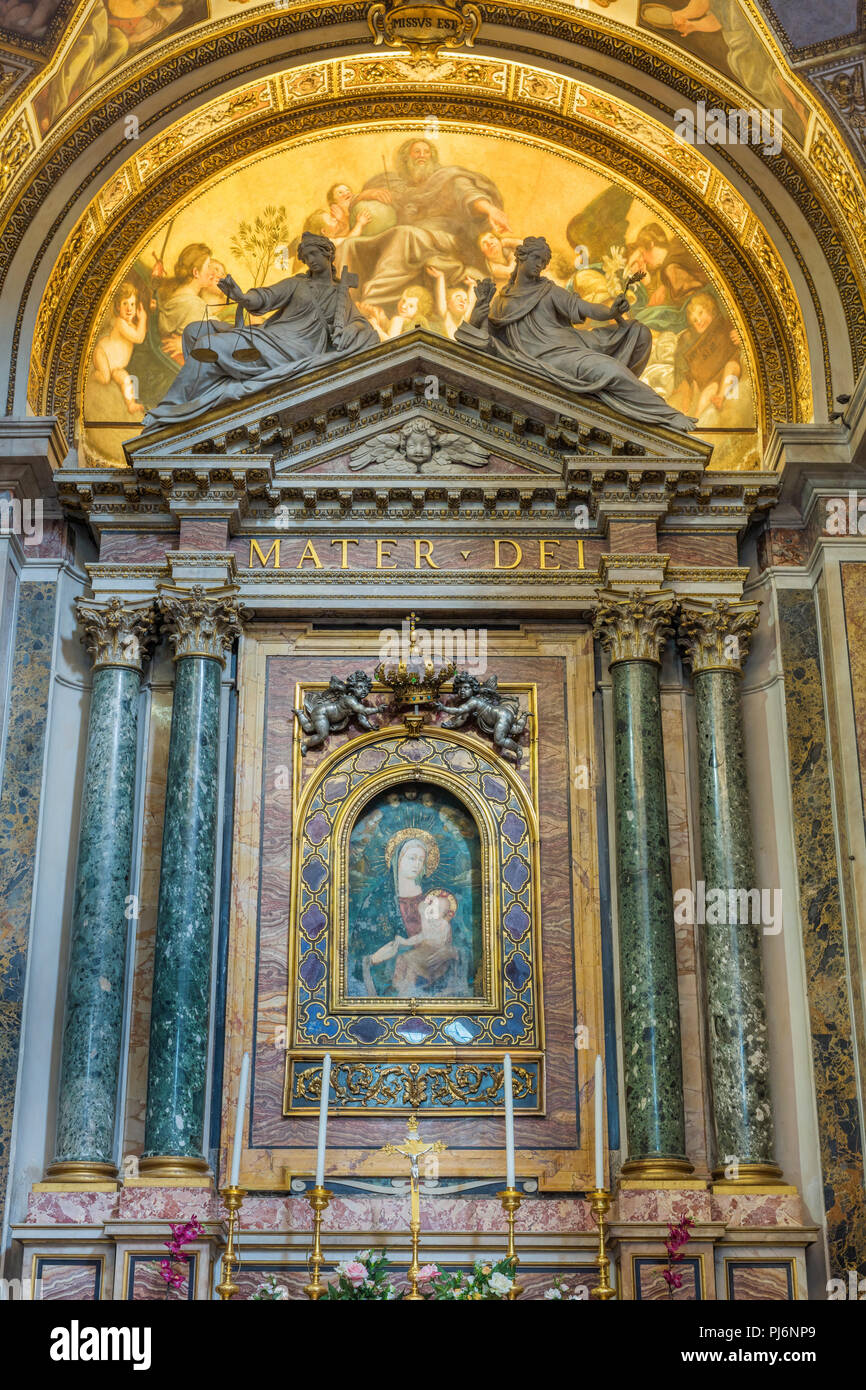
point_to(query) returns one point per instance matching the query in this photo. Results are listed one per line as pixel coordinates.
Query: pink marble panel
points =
(759, 1282)
(146, 1284)
(129, 547)
(650, 1286)
(203, 535)
(60, 1208)
(757, 1209)
(664, 1204)
(69, 1279)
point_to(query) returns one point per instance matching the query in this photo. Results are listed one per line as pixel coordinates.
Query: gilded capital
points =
(633, 625)
(715, 633)
(200, 621)
(117, 633)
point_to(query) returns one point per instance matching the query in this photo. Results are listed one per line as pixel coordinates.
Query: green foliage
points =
(489, 1280)
(256, 242)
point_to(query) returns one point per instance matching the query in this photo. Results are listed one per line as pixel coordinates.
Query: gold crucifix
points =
(414, 1148)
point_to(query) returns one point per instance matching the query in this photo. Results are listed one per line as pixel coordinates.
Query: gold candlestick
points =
(412, 1272)
(599, 1201)
(318, 1198)
(511, 1199)
(233, 1198)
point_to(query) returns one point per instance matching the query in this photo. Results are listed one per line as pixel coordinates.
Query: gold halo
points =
(410, 833)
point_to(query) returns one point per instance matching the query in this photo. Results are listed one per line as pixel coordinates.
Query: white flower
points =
(500, 1283)
(553, 1293)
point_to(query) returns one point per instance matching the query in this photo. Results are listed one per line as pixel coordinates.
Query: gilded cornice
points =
(480, 92)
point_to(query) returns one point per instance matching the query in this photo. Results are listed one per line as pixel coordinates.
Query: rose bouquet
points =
(363, 1278)
(489, 1280)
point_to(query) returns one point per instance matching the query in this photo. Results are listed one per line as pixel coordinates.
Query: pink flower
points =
(355, 1272)
(173, 1277)
(673, 1278)
(426, 1273)
(678, 1235)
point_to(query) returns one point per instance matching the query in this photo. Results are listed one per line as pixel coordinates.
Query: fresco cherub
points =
(114, 349)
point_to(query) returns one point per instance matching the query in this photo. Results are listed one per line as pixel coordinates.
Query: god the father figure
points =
(530, 323)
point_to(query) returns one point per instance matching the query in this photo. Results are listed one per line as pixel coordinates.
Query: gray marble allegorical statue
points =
(530, 323)
(312, 316)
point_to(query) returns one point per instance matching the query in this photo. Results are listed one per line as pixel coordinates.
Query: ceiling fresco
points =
(100, 37)
(417, 261)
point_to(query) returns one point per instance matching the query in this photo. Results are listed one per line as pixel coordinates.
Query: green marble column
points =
(202, 626)
(633, 627)
(117, 636)
(715, 638)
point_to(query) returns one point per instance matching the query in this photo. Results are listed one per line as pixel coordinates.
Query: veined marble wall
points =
(823, 928)
(20, 798)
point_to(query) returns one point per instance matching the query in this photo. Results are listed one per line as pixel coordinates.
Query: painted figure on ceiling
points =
(531, 324)
(424, 214)
(311, 316)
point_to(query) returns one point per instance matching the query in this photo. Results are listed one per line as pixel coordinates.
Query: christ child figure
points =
(112, 351)
(427, 956)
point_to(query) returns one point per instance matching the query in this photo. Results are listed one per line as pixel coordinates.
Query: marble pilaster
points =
(632, 626)
(202, 625)
(715, 638)
(118, 637)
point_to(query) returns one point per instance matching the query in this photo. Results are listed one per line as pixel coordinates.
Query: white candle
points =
(599, 1126)
(239, 1119)
(509, 1121)
(323, 1120)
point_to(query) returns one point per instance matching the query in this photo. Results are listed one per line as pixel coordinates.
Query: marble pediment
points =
(420, 405)
(418, 427)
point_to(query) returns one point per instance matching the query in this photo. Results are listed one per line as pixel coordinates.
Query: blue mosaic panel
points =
(507, 1019)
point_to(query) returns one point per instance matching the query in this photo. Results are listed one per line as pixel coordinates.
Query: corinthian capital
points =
(633, 626)
(200, 621)
(715, 633)
(117, 633)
